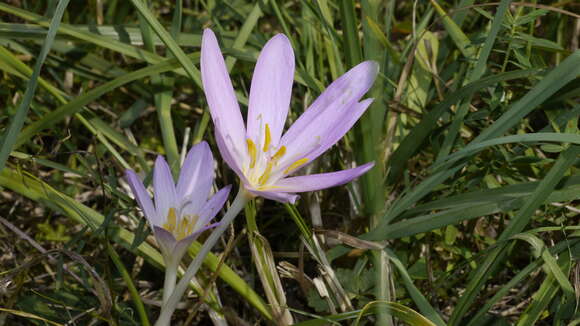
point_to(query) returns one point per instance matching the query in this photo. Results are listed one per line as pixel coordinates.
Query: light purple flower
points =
(180, 212)
(260, 155)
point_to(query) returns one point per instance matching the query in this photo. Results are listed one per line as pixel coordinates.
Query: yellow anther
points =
(253, 152)
(267, 139)
(279, 153)
(183, 229)
(296, 165)
(171, 220)
(266, 175)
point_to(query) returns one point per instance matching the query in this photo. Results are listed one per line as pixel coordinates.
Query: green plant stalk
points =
(169, 307)
(9, 139)
(266, 267)
(130, 285)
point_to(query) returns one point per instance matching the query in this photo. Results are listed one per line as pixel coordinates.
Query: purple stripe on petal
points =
(212, 207)
(279, 196)
(196, 176)
(164, 186)
(271, 90)
(221, 98)
(142, 197)
(315, 182)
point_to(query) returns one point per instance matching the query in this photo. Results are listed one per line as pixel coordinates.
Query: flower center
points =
(180, 227)
(263, 169)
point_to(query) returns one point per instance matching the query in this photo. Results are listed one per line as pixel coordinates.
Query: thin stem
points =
(169, 307)
(170, 280)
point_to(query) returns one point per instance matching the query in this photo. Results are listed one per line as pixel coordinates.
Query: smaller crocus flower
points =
(260, 155)
(181, 212)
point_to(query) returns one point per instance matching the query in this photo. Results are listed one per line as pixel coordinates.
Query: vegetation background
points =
(471, 216)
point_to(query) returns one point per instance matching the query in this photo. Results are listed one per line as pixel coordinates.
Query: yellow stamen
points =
(266, 175)
(267, 139)
(296, 165)
(252, 150)
(279, 153)
(171, 220)
(183, 229)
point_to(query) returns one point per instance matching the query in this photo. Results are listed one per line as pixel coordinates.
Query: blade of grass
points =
(415, 139)
(516, 225)
(473, 75)
(163, 93)
(185, 62)
(9, 138)
(130, 285)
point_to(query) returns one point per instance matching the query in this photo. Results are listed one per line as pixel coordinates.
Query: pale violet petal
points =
(339, 128)
(142, 197)
(315, 182)
(342, 95)
(196, 176)
(212, 207)
(282, 197)
(166, 241)
(222, 101)
(271, 90)
(164, 188)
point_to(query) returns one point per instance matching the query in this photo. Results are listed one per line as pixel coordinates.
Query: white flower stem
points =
(169, 306)
(170, 279)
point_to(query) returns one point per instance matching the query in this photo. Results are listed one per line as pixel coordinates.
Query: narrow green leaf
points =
(9, 139)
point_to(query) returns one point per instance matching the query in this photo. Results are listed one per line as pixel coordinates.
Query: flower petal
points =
(271, 90)
(315, 182)
(222, 101)
(142, 197)
(164, 187)
(196, 176)
(306, 134)
(340, 127)
(212, 207)
(165, 240)
(331, 127)
(282, 197)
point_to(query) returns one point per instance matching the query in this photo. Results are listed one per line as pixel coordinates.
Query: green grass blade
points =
(555, 80)
(415, 139)
(424, 306)
(9, 139)
(185, 62)
(473, 75)
(77, 104)
(516, 225)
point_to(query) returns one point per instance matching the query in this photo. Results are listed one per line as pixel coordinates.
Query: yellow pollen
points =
(266, 175)
(279, 153)
(267, 139)
(252, 150)
(296, 165)
(171, 220)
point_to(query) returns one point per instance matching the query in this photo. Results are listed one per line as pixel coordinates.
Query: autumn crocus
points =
(181, 212)
(261, 156)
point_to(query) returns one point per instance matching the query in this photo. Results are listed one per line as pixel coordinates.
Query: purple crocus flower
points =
(260, 155)
(180, 212)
